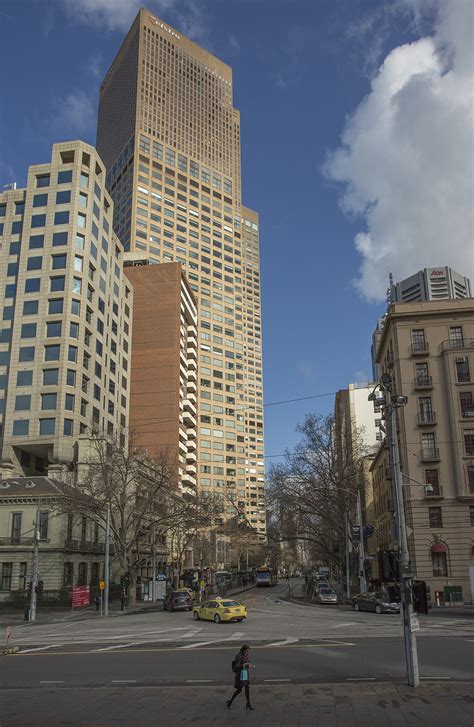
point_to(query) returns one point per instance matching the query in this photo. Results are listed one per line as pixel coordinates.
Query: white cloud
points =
(406, 155)
(118, 15)
(76, 114)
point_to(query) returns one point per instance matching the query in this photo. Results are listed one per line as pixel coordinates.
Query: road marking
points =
(288, 640)
(124, 681)
(117, 646)
(361, 679)
(433, 678)
(198, 681)
(40, 648)
(277, 680)
(52, 681)
(349, 623)
(233, 637)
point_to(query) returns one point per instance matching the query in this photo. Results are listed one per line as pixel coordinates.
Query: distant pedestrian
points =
(241, 668)
(97, 601)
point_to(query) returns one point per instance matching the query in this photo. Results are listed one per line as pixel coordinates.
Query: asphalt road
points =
(322, 661)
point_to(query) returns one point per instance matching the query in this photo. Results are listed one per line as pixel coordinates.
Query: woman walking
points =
(241, 666)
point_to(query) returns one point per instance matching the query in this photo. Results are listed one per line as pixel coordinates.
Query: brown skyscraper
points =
(170, 138)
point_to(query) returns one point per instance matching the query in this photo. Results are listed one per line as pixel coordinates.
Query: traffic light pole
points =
(362, 581)
(107, 562)
(406, 592)
(34, 573)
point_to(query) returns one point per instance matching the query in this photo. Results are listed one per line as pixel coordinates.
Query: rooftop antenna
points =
(389, 297)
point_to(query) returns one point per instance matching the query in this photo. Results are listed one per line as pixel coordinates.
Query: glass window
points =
(12, 269)
(24, 378)
(75, 307)
(78, 262)
(17, 227)
(82, 199)
(43, 529)
(10, 290)
(50, 377)
(38, 221)
(76, 285)
(69, 402)
(74, 330)
(55, 305)
(20, 427)
(84, 180)
(71, 377)
(72, 354)
(47, 426)
(32, 285)
(81, 220)
(469, 442)
(36, 241)
(22, 402)
(27, 353)
(34, 263)
(49, 401)
(63, 197)
(14, 248)
(462, 370)
(59, 238)
(440, 565)
(8, 312)
(65, 177)
(57, 283)
(80, 240)
(53, 329)
(28, 330)
(58, 262)
(51, 353)
(470, 479)
(42, 180)
(435, 517)
(40, 200)
(68, 430)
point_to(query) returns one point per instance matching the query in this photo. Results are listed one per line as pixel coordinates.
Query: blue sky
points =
(356, 151)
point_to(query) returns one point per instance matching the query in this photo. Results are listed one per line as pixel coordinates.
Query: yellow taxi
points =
(219, 610)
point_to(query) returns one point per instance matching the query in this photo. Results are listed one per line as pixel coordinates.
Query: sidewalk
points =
(435, 704)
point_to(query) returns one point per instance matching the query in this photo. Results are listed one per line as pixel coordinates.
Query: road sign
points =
(414, 623)
(102, 585)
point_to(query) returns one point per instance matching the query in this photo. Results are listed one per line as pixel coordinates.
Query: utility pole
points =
(153, 566)
(362, 582)
(34, 574)
(107, 562)
(348, 557)
(406, 592)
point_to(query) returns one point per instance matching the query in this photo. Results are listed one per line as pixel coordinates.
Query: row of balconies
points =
(422, 348)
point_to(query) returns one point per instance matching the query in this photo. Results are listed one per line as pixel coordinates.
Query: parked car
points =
(220, 609)
(327, 595)
(377, 602)
(178, 601)
(322, 584)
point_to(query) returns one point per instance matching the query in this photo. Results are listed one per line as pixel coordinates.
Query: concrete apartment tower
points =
(170, 138)
(65, 310)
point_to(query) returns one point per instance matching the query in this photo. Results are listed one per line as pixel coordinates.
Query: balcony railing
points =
(468, 412)
(422, 381)
(457, 344)
(84, 546)
(430, 454)
(16, 541)
(419, 348)
(426, 417)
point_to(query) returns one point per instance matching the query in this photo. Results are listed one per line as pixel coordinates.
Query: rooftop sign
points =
(164, 27)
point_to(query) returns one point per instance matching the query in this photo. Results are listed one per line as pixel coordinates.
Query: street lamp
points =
(390, 403)
(362, 579)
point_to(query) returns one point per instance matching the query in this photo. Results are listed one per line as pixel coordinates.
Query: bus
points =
(266, 576)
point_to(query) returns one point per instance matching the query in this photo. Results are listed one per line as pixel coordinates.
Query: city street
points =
(168, 657)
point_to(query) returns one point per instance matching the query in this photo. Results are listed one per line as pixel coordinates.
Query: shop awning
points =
(439, 548)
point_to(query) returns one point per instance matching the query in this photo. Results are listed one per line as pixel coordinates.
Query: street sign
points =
(355, 533)
(414, 623)
(80, 596)
(102, 585)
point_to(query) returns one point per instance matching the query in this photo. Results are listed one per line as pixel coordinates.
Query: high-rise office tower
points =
(66, 314)
(170, 138)
(431, 284)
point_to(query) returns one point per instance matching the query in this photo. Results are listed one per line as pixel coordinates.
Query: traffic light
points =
(421, 596)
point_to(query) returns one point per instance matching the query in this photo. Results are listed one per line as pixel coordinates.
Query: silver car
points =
(327, 595)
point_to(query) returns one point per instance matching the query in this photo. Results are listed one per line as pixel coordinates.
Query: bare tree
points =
(142, 495)
(313, 491)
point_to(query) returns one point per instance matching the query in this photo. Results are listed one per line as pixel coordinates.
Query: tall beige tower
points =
(170, 138)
